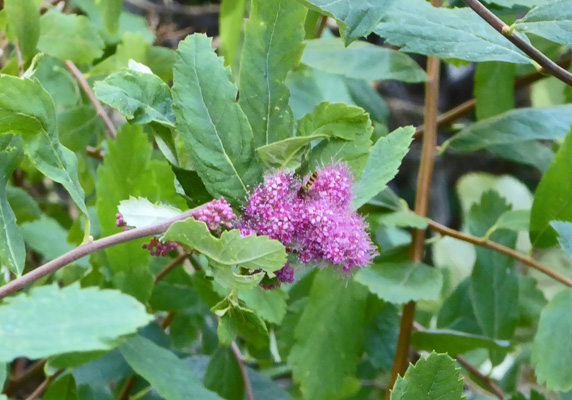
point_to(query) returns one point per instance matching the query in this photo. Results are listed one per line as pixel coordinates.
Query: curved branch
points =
(501, 249)
(87, 249)
(546, 63)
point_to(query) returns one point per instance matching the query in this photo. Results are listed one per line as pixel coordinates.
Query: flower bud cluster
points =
(158, 248)
(316, 223)
(215, 214)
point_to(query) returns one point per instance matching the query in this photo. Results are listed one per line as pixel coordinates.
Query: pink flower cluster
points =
(158, 248)
(215, 214)
(318, 224)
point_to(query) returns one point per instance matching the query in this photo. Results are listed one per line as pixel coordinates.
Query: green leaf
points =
(23, 18)
(494, 281)
(494, 88)
(3, 375)
(322, 357)
(455, 342)
(361, 60)
(131, 154)
(552, 199)
(140, 212)
(167, 374)
(223, 375)
(69, 37)
(356, 18)
(515, 220)
(231, 17)
(132, 47)
(402, 282)
(272, 47)
(367, 97)
(381, 337)
(382, 165)
(457, 311)
(287, 153)
(226, 330)
(12, 249)
(433, 378)
(110, 11)
(520, 125)
(337, 120)
(418, 27)
(210, 122)
(268, 304)
(529, 152)
(253, 252)
(551, 351)
(552, 21)
(403, 219)
(50, 321)
(62, 389)
(140, 97)
(564, 230)
(28, 109)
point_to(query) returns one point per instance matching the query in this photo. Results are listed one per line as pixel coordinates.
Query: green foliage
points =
(328, 336)
(550, 350)
(62, 389)
(223, 375)
(455, 342)
(403, 282)
(552, 21)
(418, 27)
(230, 27)
(564, 230)
(12, 250)
(218, 136)
(166, 373)
(494, 88)
(24, 25)
(432, 378)
(272, 47)
(138, 96)
(552, 198)
(110, 11)
(52, 321)
(361, 60)
(356, 18)
(140, 212)
(382, 165)
(69, 37)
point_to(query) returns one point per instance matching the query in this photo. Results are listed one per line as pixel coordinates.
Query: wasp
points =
(308, 185)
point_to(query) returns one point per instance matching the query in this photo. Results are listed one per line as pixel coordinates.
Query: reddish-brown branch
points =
(501, 249)
(180, 258)
(87, 249)
(87, 90)
(243, 371)
(548, 66)
(421, 206)
(487, 382)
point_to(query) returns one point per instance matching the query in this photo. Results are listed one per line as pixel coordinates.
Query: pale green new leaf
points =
(329, 336)
(520, 125)
(515, 220)
(254, 252)
(551, 350)
(69, 37)
(110, 11)
(230, 28)
(402, 282)
(140, 97)
(268, 304)
(337, 120)
(361, 60)
(12, 250)
(564, 230)
(167, 374)
(210, 122)
(454, 342)
(418, 27)
(433, 378)
(287, 153)
(403, 219)
(50, 321)
(140, 212)
(23, 18)
(27, 108)
(552, 21)
(356, 18)
(272, 47)
(382, 165)
(553, 197)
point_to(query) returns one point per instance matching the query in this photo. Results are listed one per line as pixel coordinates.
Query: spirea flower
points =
(316, 224)
(215, 214)
(286, 274)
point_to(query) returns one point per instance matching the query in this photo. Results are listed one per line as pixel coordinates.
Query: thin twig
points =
(95, 153)
(87, 90)
(127, 388)
(87, 249)
(180, 258)
(243, 371)
(40, 389)
(421, 206)
(501, 249)
(16, 381)
(485, 380)
(546, 63)
(322, 26)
